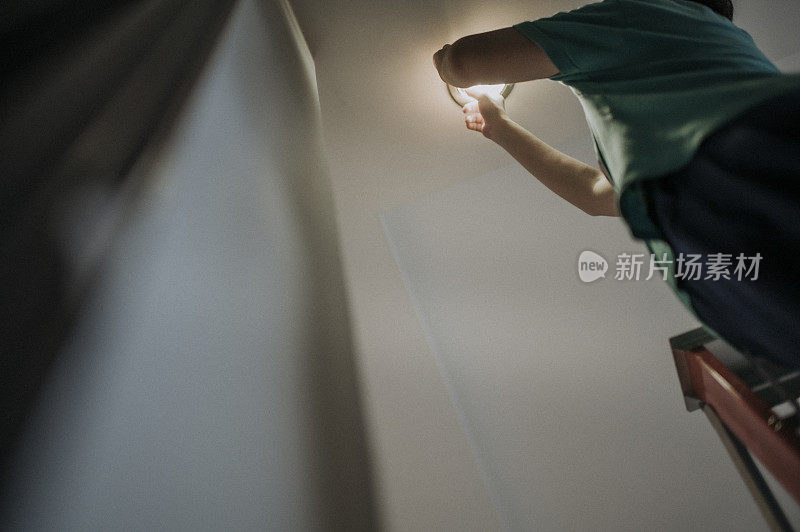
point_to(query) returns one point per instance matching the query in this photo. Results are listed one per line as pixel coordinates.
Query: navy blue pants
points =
(741, 194)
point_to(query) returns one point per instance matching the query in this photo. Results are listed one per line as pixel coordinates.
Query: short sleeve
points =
(580, 41)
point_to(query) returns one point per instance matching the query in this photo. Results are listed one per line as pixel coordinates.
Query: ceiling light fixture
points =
(461, 97)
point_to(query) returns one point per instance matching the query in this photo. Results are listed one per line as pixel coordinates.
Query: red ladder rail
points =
(706, 381)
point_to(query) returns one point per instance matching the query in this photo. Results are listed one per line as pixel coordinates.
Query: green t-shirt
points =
(654, 77)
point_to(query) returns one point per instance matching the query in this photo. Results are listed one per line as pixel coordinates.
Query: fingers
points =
(480, 95)
(484, 99)
(470, 107)
(483, 103)
(473, 118)
(475, 92)
(474, 122)
(474, 126)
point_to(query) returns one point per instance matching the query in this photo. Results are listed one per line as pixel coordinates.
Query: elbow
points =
(602, 207)
(592, 209)
(602, 199)
(601, 212)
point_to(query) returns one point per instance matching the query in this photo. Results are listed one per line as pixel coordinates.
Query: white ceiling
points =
(392, 136)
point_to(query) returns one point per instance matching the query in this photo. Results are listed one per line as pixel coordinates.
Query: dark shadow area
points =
(86, 86)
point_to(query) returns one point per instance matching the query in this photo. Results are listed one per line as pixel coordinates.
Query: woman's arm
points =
(580, 184)
(499, 56)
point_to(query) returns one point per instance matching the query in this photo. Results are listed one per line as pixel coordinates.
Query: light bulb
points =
(461, 97)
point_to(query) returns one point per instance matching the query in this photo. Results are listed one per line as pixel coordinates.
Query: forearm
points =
(464, 64)
(580, 184)
(499, 56)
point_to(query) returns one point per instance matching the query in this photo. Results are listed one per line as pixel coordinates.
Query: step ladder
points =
(751, 403)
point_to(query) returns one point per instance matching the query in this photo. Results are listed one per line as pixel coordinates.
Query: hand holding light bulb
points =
(486, 113)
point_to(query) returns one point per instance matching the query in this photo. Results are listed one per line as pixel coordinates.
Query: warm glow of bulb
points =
(461, 97)
(491, 90)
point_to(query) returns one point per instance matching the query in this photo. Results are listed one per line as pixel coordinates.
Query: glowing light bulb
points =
(461, 97)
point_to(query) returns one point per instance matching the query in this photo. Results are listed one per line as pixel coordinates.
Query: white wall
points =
(209, 383)
(566, 390)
